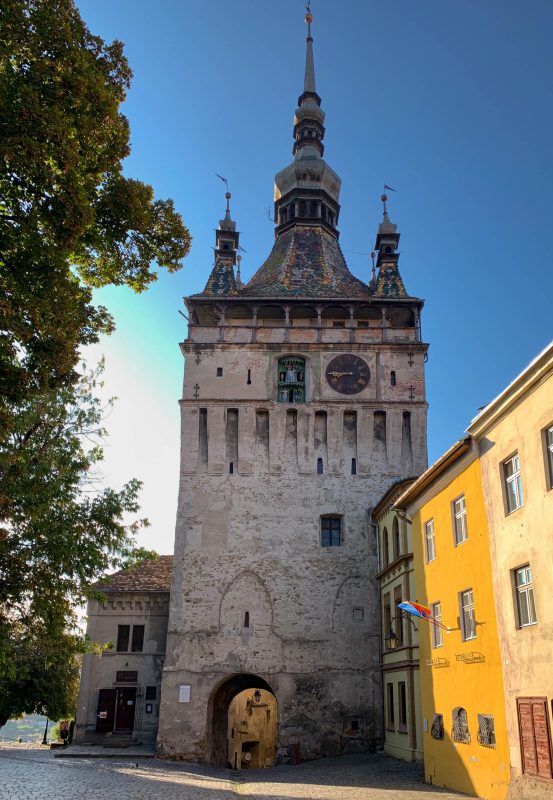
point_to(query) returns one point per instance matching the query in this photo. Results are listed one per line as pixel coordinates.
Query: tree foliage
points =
(61, 529)
(70, 220)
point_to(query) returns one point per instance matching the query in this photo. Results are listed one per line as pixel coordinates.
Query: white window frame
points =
(429, 541)
(513, 483)
(437, 631)
(459, 513)
(525, 596)
(467, 614)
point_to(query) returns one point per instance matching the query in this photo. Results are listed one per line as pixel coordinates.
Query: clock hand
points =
(336, 374)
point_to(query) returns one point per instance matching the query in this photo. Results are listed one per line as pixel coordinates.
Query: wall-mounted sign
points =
(126, 677)
(184, 694)
(149, 708)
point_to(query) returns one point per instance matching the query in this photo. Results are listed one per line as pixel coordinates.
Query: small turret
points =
(389, 282)
(227, 238)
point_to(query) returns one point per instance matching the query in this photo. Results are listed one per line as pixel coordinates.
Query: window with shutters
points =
(468, 619)
(535, 737)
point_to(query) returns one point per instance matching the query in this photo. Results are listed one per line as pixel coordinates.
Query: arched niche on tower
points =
(303, 316)
(292, 378)
(335, 316)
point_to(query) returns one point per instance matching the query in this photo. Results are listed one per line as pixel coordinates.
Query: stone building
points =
(120, 689)
(400, 636)
(303, 402)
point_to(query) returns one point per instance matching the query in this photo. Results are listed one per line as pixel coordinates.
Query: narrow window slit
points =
(319, 466)
(247, 619)
(354, 466)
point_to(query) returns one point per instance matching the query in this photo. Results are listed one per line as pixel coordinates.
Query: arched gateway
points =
(242, 721)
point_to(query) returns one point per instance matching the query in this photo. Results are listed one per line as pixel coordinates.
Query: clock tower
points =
(303, 402)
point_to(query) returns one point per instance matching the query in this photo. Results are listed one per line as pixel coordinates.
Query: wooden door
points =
(535, 739)
(105, 716)
(124, 719)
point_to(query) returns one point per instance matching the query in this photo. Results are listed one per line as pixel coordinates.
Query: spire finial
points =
(384, 199)
(227, 213)
(309, 82)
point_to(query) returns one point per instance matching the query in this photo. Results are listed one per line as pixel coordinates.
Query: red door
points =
(124, 718)
(105, 716)
(535, 741)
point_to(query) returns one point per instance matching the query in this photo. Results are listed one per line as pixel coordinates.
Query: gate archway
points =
(218, 715)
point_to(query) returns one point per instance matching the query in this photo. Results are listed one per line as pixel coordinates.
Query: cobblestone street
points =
(35, 774)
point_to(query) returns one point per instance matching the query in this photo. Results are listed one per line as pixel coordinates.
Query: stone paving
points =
(32, 773)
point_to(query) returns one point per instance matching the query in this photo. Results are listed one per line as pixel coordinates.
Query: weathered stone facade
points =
(303, 402)
(127, 676)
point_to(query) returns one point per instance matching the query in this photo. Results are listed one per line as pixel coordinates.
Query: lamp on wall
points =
(390, 639)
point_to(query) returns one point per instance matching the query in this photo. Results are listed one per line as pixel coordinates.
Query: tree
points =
(69, 218)
(64, 530)
(69, 221)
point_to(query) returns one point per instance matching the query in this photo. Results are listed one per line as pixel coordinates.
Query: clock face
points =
(348, 374)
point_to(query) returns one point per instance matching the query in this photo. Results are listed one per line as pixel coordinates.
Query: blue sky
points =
(448, 102)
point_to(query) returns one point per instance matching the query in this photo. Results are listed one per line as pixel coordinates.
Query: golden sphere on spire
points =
(308, 17)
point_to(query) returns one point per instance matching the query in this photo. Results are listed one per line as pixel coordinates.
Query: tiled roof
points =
(390, 282)
(151, 576)
(221, 281)
(305, 260)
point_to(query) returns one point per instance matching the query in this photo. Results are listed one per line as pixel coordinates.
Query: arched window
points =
(323, 212)
(303, 209)
(460, 728)
(282, 216)
(291, 380)
(385, 548)
(313, 208)
(397, 545)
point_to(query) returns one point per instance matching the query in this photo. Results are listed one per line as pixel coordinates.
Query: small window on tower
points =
(319, 466)
(362, 323)
(338, 323)
(219, 372)
(354, 466)
(393, 378)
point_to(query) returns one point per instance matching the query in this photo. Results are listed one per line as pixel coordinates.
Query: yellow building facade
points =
(399, 638)
(462, 701)
(514, 434)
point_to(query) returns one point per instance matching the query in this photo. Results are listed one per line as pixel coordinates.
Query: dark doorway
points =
(124, 718)
(105, 716)
(218, 713)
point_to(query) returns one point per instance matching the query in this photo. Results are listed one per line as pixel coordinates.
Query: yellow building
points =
(399, 644)
(515, 441)
(464, 729)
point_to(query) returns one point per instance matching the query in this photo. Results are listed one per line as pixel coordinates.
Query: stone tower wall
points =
(248, 539)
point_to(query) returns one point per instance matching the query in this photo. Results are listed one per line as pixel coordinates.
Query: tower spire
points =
(309, 80)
